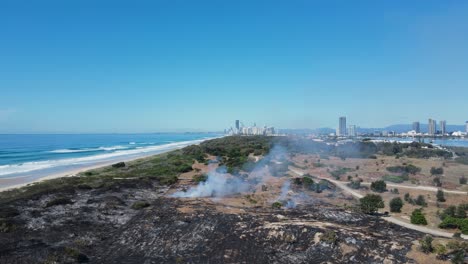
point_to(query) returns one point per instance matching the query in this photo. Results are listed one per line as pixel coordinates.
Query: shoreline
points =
(22, 180)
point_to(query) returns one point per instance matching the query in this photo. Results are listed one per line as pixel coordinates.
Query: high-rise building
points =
(352, 131)
(432, 127)
(342, 126)
(237, 125)
(416, 127)
(442, 125)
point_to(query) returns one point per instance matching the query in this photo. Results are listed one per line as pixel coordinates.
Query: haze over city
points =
(110, 66)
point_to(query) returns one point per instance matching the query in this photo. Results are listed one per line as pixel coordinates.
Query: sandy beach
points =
(21, 181)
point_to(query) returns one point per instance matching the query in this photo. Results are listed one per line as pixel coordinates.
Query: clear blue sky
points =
(143, 66)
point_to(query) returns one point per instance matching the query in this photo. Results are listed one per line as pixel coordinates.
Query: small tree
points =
(437, 182)
(407, 197)
(437, 171)
(379, 186)
(426, 244)
(440, 196)
(461, 213)
(421, 201)
(440, 250)
(418, 218)
(371, 203)
(458, 257)
(395, 205)
(463, 180)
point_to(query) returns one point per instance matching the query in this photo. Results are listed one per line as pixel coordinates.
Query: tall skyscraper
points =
(352, 131)
(442, 125)
(342, 126)
(416, 127)
(237, 125)
(432, 127)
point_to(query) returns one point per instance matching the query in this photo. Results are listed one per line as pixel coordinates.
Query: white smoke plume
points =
(291, 199)
(216, 185)
(221, 184)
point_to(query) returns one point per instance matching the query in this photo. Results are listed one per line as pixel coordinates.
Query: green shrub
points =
(418, 218)
(355, 185)
(276, 205)
(307, 181)
(393, 178)
(411, 169)
(379, 186)
(140, 205)
(329, 237)
(440, 196)
(200, 178)
(7, 226)
(184, 168)
(396, 204)
(118, 165)
(420, 201)
(426, 244)
(463, 180)
(437, 171)
(370, 203)
(59, 201)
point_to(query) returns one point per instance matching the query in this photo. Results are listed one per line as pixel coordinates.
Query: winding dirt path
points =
(423, 229)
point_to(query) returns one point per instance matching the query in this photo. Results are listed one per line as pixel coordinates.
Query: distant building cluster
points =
(240, 129)
(346, 131)
(433, 129)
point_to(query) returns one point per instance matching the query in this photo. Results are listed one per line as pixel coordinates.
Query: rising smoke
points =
(218, 184)
(221, 184)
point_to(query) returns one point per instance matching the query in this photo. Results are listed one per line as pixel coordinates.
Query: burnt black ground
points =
(100, 226)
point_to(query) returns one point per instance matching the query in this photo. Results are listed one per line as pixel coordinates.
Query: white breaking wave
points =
(62, 151)
(40, 165)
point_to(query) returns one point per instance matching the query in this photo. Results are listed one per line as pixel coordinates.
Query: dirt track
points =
(342, 185)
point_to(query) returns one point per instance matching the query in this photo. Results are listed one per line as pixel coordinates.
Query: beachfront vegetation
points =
(162, 169)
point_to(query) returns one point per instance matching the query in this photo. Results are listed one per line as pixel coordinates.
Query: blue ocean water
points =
(42, 154)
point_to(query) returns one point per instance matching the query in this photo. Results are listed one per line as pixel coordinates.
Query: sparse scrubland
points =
(132, 212)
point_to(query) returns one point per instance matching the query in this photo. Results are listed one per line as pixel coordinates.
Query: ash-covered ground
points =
(115, 226)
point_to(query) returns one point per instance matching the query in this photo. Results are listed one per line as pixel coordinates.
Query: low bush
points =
(418, 218)
(59, 201)
(140, 205)
(118, 165)
(276, 205)
(200, 178)
(393, 178)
